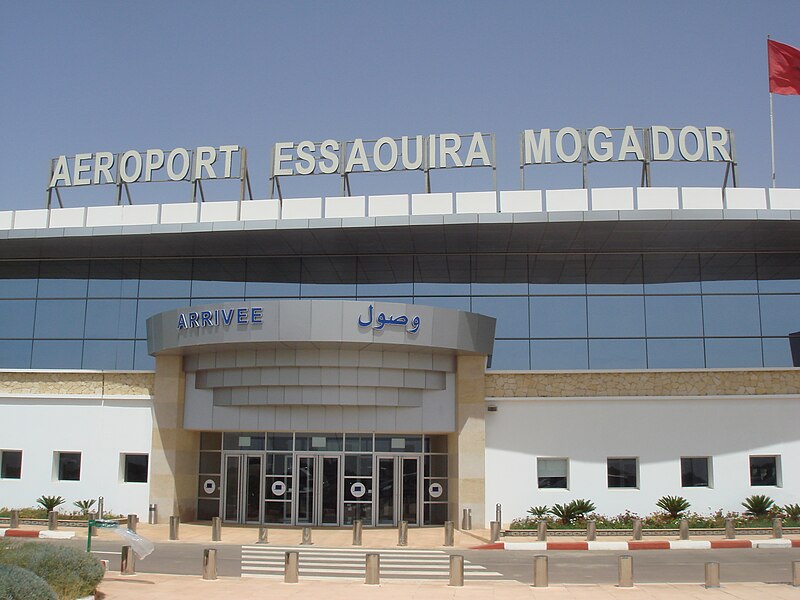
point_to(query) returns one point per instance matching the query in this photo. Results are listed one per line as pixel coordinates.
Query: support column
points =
(467, 446)
(175, 453)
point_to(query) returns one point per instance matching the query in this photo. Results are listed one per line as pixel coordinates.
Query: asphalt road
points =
(650, 566)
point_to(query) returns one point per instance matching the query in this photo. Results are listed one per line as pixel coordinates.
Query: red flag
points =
(784, 68)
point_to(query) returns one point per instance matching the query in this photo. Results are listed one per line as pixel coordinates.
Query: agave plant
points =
(84, 505)
(758, 505)
(792, 511)
(673, 505)
(539, 511)
(571, 511)
(50, 503)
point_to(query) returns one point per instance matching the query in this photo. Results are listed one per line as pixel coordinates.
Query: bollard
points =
(52, 520)
(13, 521)
(684, 529)
(541, 531)
(262, 535)
(730, 530)
(449, 537)
(152, 514)
(210, 564)
(498, 513)
(456, 570)
(625, 571)
(92, 530)
(494, 528)
(591, 530)
(306, 537)
(777, 528)
(637, 529)
(100, 511)
(216, 529)
(796, 573)
(132, 520)
(540, 576)
(127, 564)
(358, 526)
(372, 572)
(291, 569)
(402, 533)
(174, 525)
(712, 575)
(466, 519)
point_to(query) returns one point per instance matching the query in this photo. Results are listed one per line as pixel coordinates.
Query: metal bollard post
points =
(540, 576)
(372, 572)
(216, 529)
(52, 520)
(291, 569)
(152, 514)
(498, 513)
(128, 562)
(730, 530)
(456, 570)
(13, 521)
(625, 571)
(541, 531)
(174, 526)
(306, 537)
(466, 519)
(684, 529)
(132, 520)
(449, 536)
(494, 528)
(796, 573)
(358, 527)
(637, 529)
(210, 564)
(402, 533)
(777, 528)
(93, 530)
(100, 511)
(712, 575)
(262, 535)
(591, 530)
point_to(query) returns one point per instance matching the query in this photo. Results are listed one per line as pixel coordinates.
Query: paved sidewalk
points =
(155, 587)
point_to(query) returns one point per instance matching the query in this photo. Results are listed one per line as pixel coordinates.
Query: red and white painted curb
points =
(642, 545)
(31, 533)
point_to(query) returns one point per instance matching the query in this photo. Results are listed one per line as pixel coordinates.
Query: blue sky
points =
(91, 76)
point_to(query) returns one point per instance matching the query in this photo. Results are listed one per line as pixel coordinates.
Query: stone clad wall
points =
(722, 382)
(88, 383)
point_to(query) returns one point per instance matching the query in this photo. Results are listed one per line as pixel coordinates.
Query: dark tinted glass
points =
(510, 355)
(273, 277)
(110, 319)
(558, 317)
(436, 275)
(19, 279)
(617, 354)
(674, 316)
(69, 466)
(10, 464)
(511, 314)
(733, 352)
(385, 276)
(723, 273)
(735, 315)
(671, 273)
(63, 279)
(171, 278)
(622, 473)
(17, 318)
(136, 468)
(780, 314)
(763, 470)
(499, 274)
(616, 316)
(60, 319)
(15, 354)
(113, 355)
(675, 353)
(333, 277)
(114, 279)
(553, 355)
(614, 274)
(57, 354)
(694, 472)
(556, 274)
(218, 277)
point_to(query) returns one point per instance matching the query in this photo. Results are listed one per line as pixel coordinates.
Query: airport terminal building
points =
(311, 361)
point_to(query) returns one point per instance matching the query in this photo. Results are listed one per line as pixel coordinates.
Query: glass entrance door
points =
(398, 490)
(243, 491)
(317, 490)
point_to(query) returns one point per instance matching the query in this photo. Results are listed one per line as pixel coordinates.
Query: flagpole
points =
(771, 127)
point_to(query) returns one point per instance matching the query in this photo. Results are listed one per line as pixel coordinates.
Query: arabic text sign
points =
(381, 320)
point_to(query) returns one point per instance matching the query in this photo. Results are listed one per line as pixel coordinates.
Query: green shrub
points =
(70, 572)
(84, 505)
(539, 511)
(792, 511)
(571, 511)
(758, 505)
(17, 583)
(50, 502)
(674, 506)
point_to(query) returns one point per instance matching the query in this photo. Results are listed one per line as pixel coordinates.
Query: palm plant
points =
(792, 511)
(84, 505)
(539, 511)
(673, 505)
(571, 511)
(50, 503)
(758, 505)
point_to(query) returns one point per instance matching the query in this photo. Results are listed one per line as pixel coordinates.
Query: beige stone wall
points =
(175, 452)
(467, 446)
(89, 383)
(720, 382)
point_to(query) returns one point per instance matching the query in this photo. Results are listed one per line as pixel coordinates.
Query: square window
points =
(135, 468)
(623, 472)
(552, 473)
(69, 466)
(696, 471)
(765, 470)
(10, 464)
